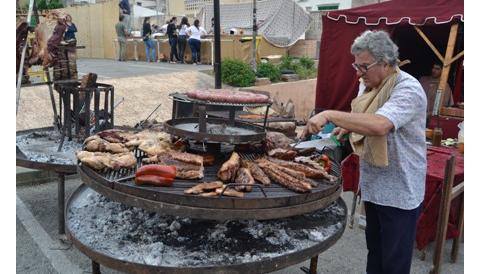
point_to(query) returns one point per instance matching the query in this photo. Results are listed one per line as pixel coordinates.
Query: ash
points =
(135, 235)
(41, 146)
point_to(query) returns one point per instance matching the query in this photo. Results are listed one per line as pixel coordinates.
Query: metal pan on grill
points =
(217, 130)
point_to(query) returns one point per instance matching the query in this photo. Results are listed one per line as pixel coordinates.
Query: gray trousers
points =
(122, 49)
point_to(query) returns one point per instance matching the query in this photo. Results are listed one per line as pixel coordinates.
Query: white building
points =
(324, 5)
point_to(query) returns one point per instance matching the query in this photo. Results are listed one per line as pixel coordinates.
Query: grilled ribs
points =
(283, 178)
(257, 172)
(244, 177)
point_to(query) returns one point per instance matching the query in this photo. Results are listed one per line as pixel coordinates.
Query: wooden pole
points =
(429, 43)
(452, 38)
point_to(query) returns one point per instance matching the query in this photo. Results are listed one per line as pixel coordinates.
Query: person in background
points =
(71, 29)
(387, 131)
(163, 29)
(182, 38)
(148, 41)
(122, 34)
(430, 86)
(172, 39)
(125, 10)
(195, 33)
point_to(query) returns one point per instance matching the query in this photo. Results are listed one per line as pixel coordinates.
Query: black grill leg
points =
(313, 266)
(61, 203)
(95, 268)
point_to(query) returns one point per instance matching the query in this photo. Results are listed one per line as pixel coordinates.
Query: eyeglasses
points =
(362, 67)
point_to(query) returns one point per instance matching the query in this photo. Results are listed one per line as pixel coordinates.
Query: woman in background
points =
(149, 43)
(182, 38)
(195, 32)
(71, 29)
(172, 39)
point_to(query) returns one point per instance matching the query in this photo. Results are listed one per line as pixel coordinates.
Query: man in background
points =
(430, 86)
(125, 11)
(122, 34)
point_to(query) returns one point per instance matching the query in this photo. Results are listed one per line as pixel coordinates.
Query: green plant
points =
(306, 73)
(306, 62)
(49, 4)
(269, 70)
(236, 73)
(286, 62)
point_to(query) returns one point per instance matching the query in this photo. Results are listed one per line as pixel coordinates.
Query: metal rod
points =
(254, 37)
(22, 60)
(61, 203)
(216, 27)
(95, 268)
(202, 120)
(313, 265)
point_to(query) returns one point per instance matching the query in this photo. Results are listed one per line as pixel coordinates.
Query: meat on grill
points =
(244, 177)
(228, 96)
(152, 142)
(189, 166)
(256, 172)
(101, 160)
(281, 153)
(229, 168)
(204, 187)
(96, 144)
(311, 163)
(308, 171)
(277, 140)
(283, 178)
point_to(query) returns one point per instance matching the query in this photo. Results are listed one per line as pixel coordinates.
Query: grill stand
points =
(95, 268)
(61, 203)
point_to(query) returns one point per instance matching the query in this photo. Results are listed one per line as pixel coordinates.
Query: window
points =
(328, 7)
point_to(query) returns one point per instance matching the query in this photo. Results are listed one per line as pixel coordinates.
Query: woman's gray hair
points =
(377, 43)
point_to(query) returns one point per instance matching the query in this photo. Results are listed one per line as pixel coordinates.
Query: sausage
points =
(159, 170)
(153, 180)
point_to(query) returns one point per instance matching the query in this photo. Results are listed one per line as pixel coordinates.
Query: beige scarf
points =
(373, 149)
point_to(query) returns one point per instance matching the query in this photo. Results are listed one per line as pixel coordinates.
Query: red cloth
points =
(351, 172)
(336, 79)
(449, 126)
(427, 222)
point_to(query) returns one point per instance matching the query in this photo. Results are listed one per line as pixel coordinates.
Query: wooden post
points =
(452, 38)
(444, 211)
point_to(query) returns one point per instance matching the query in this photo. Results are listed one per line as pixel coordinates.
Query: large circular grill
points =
(273, 204)
(264, 202)
(191, 245)
(38, 149)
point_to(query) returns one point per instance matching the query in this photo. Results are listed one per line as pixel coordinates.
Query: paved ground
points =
(108, 69)
(39, 251)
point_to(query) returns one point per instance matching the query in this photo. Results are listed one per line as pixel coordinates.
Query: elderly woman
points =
(387, 131)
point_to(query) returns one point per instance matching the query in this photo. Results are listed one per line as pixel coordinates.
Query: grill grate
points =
(182, 97)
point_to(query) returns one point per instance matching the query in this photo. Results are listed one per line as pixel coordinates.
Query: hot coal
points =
(42, 146)
(136, 235)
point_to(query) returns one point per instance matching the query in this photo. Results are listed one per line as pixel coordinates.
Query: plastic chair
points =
(351, 177)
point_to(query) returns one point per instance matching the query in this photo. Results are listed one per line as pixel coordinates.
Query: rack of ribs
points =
(279, 175)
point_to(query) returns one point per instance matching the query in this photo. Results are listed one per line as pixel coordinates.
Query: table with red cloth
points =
(427, 223)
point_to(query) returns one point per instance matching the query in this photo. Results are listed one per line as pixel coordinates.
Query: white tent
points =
(139, 11)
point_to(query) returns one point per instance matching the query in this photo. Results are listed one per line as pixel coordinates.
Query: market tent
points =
(337, 83)
(139, 11)
(280, 22)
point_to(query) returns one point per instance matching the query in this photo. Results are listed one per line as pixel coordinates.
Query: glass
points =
(363, 68)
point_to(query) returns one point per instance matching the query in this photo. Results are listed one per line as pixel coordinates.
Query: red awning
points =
(336, 80)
